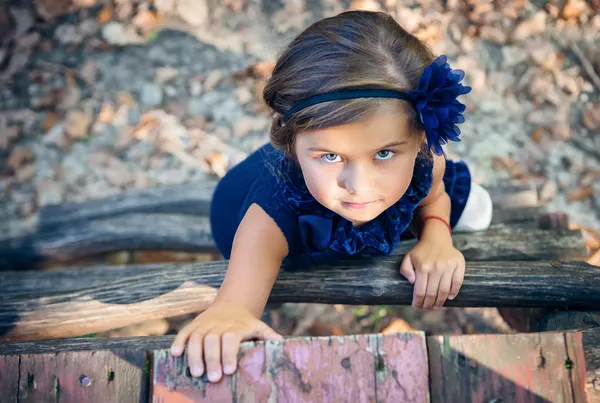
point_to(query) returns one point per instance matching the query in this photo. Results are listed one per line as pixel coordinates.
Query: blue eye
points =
(331, 158)
(384, 155)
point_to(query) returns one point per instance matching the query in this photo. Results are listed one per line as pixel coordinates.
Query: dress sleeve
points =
(266, 193)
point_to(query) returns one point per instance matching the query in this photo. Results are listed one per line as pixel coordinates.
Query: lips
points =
(358, 206)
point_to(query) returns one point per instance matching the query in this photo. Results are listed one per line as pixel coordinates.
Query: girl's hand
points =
(436, 269)
(215, 337)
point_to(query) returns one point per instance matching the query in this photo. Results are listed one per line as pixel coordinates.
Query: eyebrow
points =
(390, 145)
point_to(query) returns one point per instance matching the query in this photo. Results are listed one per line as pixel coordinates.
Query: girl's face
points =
(360, 169)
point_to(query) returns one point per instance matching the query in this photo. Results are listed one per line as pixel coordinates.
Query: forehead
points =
(365, 136)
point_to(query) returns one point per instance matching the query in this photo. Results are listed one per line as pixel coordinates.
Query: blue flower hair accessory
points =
(435, 100)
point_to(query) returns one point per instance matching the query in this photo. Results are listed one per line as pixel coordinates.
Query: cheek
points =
(399, 179)
(320, 182)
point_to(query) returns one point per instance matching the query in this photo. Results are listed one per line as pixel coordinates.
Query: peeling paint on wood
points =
(360, 368)
(510, 368)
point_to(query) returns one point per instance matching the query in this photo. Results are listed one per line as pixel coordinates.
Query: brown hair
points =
(354, 48)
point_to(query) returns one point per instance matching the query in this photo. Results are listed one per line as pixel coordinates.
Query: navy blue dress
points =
(314, 233)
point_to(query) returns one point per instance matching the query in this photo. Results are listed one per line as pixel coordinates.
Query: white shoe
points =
(477, 214)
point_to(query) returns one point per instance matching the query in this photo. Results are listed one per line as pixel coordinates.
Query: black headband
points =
(346, 94)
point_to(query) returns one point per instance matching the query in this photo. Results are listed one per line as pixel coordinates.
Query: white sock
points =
(477, 214)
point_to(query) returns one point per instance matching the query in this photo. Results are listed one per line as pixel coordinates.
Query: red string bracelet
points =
(434, 217)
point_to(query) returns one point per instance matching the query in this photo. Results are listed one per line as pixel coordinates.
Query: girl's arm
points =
(215, 335)
(434, 266)
(258, 249)
(437, 203)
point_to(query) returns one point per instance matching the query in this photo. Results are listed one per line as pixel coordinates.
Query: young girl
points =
(361, 109)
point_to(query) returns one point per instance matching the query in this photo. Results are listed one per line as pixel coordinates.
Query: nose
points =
(355, 179)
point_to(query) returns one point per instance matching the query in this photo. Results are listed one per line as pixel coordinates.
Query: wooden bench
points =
(514, 266)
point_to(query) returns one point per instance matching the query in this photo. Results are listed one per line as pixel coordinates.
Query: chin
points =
(361, 218)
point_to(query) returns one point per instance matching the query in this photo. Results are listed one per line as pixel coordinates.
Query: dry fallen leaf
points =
(539, 134)
(398, 326)
(107, 113)
(70, 94)
(76, 124)
(164, 74)
(319, 329)
(573, 9)
(580, 193)
(594, 260)
(218, 163)
(105, 15)
(529, 27)
(18, 157)
(145, 20)
(124, 98)
(548, 191)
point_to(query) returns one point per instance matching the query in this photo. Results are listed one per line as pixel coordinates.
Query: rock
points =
(49, 192)
(151, 95)
(49, 9)
(195, 87)
(117, 176)
(23, 20)
(165, 6)
(243, 95)
(495, 35)
(18, 157)
(88, 72)
(164, 74)
(548, 191)
(119, 34)
(25, 173)
(26, 208)
(530, 27)
(193, 12)
(512, 55)
(212, 80)
(248, 124)
(7, 135)
(76, 124)
(68, 34)
(591, 116)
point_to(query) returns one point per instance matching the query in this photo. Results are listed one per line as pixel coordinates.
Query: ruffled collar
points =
(322, 230)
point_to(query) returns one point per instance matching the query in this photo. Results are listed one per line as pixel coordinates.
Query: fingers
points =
(194, 352)
(433, 284)
(407, 269)
(231, 347)
(179, 343)
(419, 290)
(457, 279)
(264, 332)
(212, 356)
(444, 290)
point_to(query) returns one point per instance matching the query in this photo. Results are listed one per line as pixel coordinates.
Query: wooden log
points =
(182, 199)
(362, 368)
(122, 297)
(73, 377)
(194, 199)
(192, 234)
(543, 367)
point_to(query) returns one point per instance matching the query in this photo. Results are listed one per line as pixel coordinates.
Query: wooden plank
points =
(591, 348)
(9, 378)
(185, 288)
(192, 199)
(146, 343)
(192, 234)
(363, 368)
(98, 376)
(510, 368)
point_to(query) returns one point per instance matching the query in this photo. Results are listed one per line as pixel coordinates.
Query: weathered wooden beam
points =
(361, 368)
(10, 351)
(182, 199)
(73, 377)
(123, 297)
(192, 234)
(544, 367)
